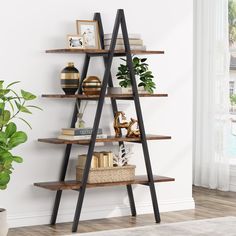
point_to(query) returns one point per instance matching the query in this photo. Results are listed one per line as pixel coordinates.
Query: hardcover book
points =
(80, 131)
(80, 137)
(82, 159)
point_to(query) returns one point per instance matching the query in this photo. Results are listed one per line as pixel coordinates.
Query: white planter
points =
(3, 222)
(118, 90)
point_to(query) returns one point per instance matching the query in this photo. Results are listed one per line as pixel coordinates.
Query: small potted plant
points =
(12, 104)
(141, 71)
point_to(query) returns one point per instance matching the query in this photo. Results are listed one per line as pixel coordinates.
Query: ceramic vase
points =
(92, 85)
(70, 79)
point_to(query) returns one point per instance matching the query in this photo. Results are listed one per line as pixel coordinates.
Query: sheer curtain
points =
(211, 94)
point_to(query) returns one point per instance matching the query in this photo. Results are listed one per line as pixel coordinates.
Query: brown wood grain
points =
(75, 185)
(102, 51)
(109, 139)
(209, 204)
(95, 97)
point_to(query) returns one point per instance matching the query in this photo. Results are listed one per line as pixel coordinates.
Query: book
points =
(80, 131)
(105, 159)
(132, 47)
(82, 159)
(107, 42)
(80, 137)
(120, 36)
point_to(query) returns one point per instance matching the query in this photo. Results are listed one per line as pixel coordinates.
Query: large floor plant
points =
(12, 105)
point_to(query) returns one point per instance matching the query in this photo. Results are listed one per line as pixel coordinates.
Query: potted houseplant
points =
(12, 104)
(141, 71)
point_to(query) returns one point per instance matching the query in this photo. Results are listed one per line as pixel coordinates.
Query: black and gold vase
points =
(70, 79)
(92, 85)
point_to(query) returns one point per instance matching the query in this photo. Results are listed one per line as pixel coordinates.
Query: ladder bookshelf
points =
(107, 55)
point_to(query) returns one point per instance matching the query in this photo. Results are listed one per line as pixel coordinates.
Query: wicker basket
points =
(108, 174)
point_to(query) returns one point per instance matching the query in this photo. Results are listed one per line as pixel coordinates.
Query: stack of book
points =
(136, 43)
(79, 134)
(99, 160)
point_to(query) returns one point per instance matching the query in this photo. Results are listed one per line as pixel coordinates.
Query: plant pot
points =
(3, 222)
(128, 90)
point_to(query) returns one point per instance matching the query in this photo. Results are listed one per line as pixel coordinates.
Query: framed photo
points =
(89, 30)
(75, 41)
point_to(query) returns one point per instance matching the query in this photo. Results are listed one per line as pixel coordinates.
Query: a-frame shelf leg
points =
(97, 17)
(140, 118)
(95, 126)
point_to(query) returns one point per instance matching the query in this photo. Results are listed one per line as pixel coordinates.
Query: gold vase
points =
(92, 85)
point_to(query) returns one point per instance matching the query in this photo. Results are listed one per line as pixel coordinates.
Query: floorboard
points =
(209, 204)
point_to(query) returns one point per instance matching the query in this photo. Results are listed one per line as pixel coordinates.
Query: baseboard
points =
(41, 218)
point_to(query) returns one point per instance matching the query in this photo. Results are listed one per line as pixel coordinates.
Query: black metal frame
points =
(107, 81)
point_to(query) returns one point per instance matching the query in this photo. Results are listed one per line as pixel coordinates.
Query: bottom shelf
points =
(75, 185)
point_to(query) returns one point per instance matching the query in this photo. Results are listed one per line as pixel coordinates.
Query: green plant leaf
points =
(10, 129)
(15, 82)
(4, 92)
(20, 118)
(136, 60)
(11, 105)
(17, 159)
(5, 117)
(17, 96)
(27, 95)
(4, 178)
(36, 107)
(17, 138)
(25, 110)
(143, 59)
(1, 84)
(3, 187)
(3, 137)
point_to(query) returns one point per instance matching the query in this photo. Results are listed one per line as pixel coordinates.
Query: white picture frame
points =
(75, 41)
(89, 30)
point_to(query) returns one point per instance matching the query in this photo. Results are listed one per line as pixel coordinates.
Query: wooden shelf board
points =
(75, 185)
(95, 97)
(106, 140)
(98, 52)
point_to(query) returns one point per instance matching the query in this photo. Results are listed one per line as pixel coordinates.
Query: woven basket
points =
(108, 174)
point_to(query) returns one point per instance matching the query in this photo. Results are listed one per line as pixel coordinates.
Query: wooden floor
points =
(209, 204)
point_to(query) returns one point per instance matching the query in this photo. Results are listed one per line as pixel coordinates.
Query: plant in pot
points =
(141, 71)
(12, 105)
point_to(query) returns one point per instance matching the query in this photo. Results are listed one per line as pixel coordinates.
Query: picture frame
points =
(75, 41)
(89, 30)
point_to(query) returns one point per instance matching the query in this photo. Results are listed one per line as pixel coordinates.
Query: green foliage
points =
(233, 99)
(141, 70)
(232, 22)
(12, 105)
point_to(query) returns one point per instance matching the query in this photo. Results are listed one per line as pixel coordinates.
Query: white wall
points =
(27, 29)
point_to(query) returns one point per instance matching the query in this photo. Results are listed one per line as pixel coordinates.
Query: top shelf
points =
(102, 52)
